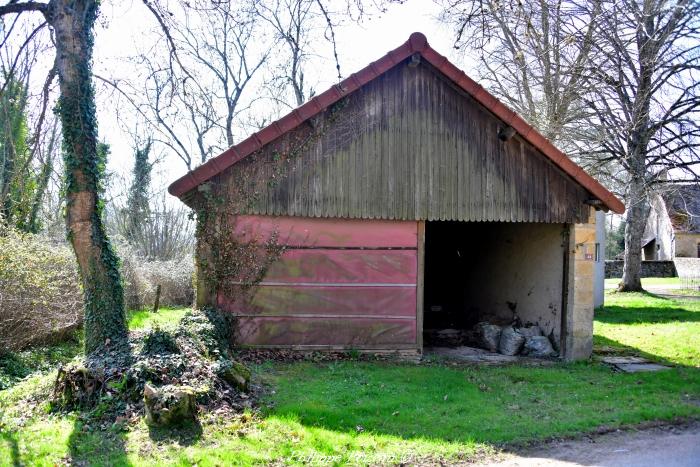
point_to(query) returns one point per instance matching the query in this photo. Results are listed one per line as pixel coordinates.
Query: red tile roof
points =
(416, 43)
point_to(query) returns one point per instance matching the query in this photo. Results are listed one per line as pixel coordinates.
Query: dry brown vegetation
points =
(40, 297)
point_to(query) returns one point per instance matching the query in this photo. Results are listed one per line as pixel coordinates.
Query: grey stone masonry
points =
(613, 269)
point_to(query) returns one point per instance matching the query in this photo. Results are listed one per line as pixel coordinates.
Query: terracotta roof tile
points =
(417, 43)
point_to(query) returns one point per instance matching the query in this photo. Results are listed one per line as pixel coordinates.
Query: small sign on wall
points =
(586, 255)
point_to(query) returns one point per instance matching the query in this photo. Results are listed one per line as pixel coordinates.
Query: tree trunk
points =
(634, 230)
(105, 321)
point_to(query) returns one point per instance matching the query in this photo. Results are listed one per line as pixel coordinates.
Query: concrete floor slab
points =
(474, 355)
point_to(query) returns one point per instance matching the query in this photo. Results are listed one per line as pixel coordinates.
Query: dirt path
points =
(665, 446)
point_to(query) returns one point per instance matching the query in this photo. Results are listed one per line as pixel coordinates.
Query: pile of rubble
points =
(514, 340)
(168, 375)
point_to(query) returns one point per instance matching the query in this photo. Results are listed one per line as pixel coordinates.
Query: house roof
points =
(683, 207)
(416, 44)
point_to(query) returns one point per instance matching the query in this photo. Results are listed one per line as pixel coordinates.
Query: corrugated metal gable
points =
(409, 145)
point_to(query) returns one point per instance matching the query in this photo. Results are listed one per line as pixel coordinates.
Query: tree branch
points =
(18, 8)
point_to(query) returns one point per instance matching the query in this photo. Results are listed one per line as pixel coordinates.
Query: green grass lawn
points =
(659, 328)
(165, 317)
(358, 412)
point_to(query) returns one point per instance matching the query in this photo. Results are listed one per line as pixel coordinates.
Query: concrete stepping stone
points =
(623, 360)
(633, 364)
(640, 367)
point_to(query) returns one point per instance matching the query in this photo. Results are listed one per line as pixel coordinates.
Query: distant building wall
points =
(658, 231)
(687, 245)
(599, 267)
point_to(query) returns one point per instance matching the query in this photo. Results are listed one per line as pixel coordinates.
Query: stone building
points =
(673, 225)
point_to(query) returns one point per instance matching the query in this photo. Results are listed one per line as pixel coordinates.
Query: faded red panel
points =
(348, 332)
(312, 232)
(368, 301)
(344, 266)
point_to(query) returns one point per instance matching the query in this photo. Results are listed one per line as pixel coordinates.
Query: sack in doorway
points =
(538, 346)
(489, 335)
(511, 341)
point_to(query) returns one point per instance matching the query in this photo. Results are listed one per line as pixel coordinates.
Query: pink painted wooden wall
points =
(339, 283)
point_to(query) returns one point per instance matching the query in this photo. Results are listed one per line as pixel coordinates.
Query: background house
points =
(404, 199)
(673, 226)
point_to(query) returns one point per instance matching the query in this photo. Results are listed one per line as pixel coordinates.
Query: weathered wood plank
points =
(344, 266)
(409, 146)
(315, 300)
(353, 333)
(327, 233)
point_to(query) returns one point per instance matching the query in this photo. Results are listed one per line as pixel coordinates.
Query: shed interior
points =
(499, 272)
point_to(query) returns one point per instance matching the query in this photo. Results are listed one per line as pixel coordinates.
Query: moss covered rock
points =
(169, 405)
(235, 374)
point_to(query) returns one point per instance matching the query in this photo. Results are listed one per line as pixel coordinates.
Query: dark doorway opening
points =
(498, 272)
(650, 250)
(446, 304)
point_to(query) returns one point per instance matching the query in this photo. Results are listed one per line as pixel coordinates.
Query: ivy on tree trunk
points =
(105, 321)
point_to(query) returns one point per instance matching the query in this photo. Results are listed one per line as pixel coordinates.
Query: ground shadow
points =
(185, 434)
(624, 314)
(10, 438)
(99, 432)
(609, 347)
(621, 315)
(98, 442)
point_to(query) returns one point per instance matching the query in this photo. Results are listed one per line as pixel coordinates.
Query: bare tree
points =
(612, 82)
(291, 20)
(195, 95)
(533, 55)
(644, 95)
(166, 232)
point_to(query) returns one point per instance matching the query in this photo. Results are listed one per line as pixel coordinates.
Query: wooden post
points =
(157, 303)
(419, 284)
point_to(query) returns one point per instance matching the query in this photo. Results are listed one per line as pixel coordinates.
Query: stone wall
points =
(613, 269)
(518, 272)
(578, 341)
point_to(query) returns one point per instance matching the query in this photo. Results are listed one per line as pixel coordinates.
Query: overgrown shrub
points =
(40, 293)
(41, 300)
(141, 278)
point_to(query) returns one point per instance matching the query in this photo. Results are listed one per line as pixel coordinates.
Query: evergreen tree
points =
(137, 201)
(16, 181)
